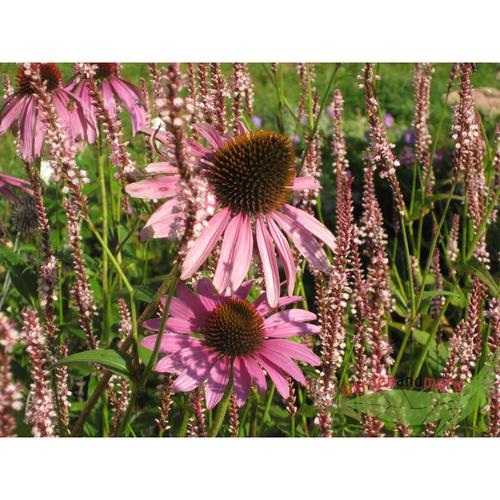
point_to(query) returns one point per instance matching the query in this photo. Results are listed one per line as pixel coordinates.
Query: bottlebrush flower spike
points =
(252, 176)
(7, 182)
(115, 90)
(10, 391)
(22, 110)
(381, 150)
(235, 334)
(40, 411)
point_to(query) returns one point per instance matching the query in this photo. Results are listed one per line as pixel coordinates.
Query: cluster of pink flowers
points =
(40, 409)
(10, 391)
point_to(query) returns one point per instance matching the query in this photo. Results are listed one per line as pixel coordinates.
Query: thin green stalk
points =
(267, 406)
(106, 320)
(408, 267)
(222, 406)
(432, 335)
(8, 280)
(482, 227)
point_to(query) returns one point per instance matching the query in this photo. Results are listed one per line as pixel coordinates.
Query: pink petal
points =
(244, 289)
(255, 372)
(277, 377)
(269, 263)
(210, 134)
(27, 125)
(283, 363)
(241, 128)
(170, 342)
(263, 307)
(179, 360)
(309, 223)
(109, 98)
(206, 294)
(12, 106)
(242, 381)
(235, 255)
(217, 382)
(194, 375)
(192, 302)
(293, 350)
(288, 316)
(292, 330)
(285, 254)
(205, 243)
(306, 182)
(153, 189)
(162, 167)
(132, 98)
(304, 241)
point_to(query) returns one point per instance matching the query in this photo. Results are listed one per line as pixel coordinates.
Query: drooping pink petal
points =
(285, 254)
(133, 99)
(283, 363)
(304, 241)
(12, 107)
(154, 189)
(210, 134)
(235, 255)
(168, 227)
(177, 362)
(242, 381)
(255, 372)
(108, 98)
(292, 330)
(162, 167)
(269, 263)
(263, 306)
(306, 182)
(197, 149)
(287, 316)
(170, 342)
(194, 374)
(27, 128)
(293, 350)
(217, 382)
(309, 223)
(205, 243)
(194, 309)
(207, 295)
(276, 375)
(244, 289)
(241, 128)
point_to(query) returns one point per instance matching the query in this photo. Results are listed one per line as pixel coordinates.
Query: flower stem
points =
(223, 405)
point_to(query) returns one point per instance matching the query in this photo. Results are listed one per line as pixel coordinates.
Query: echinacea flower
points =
(115, 90)
(208, 335)
(252, 176)
(20, 110)
(7, 182)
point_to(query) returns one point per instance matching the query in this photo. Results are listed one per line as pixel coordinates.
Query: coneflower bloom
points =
(21, 110)
(252, 176)
(7, 182)
(208, 335)
(115, 90)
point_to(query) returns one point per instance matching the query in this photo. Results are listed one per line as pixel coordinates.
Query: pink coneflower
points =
(252, 176)
(114, 90)
(21, 110)
(7, 182)
(231, 335)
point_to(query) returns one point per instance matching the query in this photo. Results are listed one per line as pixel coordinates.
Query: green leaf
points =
(109, 358)
(475, 267)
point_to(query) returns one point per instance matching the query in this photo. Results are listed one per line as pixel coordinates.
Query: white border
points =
(278, 468)
(251, 30)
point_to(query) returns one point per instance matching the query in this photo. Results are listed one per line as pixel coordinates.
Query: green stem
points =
(223, 406)
(106, 323)
(432, 335)
(267, 407)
